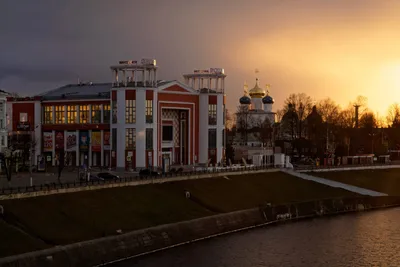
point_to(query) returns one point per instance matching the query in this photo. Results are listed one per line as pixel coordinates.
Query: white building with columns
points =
(162, 123)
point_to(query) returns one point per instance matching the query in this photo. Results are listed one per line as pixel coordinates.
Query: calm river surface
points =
(363, 239)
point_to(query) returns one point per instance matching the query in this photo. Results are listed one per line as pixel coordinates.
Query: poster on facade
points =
(59, 140)
(106, 141)
(84, 140)
(47, 141)
(71, 141)
(96, 141)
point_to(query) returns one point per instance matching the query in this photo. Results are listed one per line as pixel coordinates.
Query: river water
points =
(362, 239)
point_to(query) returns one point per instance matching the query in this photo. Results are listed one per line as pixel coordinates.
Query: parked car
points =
(148, 172)
(107, 176)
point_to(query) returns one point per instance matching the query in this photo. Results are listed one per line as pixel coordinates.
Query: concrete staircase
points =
(352, 188)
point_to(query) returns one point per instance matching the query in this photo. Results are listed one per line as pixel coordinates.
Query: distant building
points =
(136, 121)
(255, 123)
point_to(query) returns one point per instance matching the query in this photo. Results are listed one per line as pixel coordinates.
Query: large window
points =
(212, 138)
(167, 133)
(114, 111)
(60, 114)
(71, 114)
(47, 114)
(130, 138)
(130, 111)
(149, 138)
(212, 114)
(149, 111)
(106, 113)
(96, 114)
(83, 113)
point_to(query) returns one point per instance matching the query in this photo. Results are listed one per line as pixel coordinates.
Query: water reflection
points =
(363, 239)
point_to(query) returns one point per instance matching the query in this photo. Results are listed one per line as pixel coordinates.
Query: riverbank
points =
(381, 180)
(115, 248)
(62, 219)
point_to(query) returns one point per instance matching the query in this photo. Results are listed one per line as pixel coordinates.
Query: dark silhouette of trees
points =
(393, 116)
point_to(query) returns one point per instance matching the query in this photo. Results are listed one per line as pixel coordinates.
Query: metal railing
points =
(82, 183)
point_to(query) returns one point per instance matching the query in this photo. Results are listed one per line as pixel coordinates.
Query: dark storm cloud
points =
(37, 74)
(45, 43)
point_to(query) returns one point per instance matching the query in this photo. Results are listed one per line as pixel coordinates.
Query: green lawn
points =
(381, 180)
(67, 218)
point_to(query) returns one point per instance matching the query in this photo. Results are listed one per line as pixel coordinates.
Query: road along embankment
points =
(116, 248)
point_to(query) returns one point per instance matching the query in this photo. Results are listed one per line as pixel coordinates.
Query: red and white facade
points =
(135, 122)
(173, 122)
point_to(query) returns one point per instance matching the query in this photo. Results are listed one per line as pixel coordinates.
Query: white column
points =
(90, 149)
(77, 149)
(203, 129)
(124, 77)
(102, 148)
(144, 77)
(53, 152)
(38, 130)
(120, 126)
(220, 126)
(101, 113)
(140, 128)
(89, 120)
(155, 76)
(156, 124)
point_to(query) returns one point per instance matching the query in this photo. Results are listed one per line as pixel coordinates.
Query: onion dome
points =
(268, 99)
(257, 92)
(245, 100)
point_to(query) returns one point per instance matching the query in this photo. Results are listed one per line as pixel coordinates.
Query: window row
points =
(130, 111)
(76, 114)
(130, 138)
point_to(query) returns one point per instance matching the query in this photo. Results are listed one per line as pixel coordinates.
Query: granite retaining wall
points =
(115, 248)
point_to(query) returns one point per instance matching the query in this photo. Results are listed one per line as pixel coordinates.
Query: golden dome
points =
(257, 92)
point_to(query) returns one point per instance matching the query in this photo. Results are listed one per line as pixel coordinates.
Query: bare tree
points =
(393, 116)
(302, 104)
(279, 114)
(368, 121)
(264, 132)
(229, 120)
(346, 117)
(243, 121)
(329, 110)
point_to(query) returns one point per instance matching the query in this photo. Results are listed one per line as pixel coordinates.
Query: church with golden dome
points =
(257, 102)
(255, 119)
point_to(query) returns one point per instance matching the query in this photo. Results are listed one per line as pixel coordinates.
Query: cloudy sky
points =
(335, 48)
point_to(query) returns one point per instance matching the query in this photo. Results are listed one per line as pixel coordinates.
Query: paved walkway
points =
(348, 187)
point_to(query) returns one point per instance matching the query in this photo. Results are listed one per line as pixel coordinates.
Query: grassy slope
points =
(381, 180)
(68, 218)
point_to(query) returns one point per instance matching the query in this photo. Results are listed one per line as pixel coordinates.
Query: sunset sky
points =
(335, 48)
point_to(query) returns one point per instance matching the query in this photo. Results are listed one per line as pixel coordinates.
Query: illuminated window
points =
(71, 114)
(48, 114)
(106, 113)
(60, 114)
(130, 111)
(130, 138)
(212, 114)
(96, 113)
(149, 111)
(114, 112)
(83, 113)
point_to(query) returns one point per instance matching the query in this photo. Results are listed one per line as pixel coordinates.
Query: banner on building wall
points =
(84, 140)
(47, 141)
(96, 141)
(71, 141)
(106, 141)
(59, 140)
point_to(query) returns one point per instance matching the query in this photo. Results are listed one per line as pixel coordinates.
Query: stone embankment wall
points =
(115, 248)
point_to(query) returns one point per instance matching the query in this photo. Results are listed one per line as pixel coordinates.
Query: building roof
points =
(79, 91)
